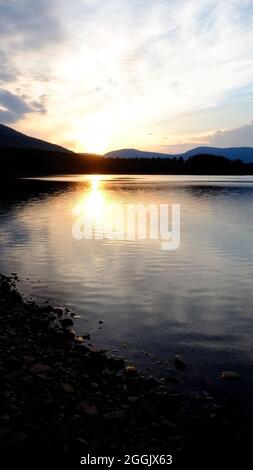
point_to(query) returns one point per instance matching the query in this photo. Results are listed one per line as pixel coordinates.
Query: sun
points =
(95, 134)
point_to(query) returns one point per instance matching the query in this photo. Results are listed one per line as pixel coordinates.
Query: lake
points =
(195, 301)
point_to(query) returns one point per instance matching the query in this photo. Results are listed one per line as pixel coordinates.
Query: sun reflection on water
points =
(92, 204)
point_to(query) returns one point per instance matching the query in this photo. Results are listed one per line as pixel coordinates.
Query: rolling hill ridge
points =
(9, 138)
(242, 153)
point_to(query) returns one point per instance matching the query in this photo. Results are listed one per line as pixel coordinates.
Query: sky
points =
(99, 75)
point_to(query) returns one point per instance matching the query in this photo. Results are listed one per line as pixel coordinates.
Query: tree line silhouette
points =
(22, 162)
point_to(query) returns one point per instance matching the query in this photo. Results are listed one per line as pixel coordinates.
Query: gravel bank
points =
(61, 399)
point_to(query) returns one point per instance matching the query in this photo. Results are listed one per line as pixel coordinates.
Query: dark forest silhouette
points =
(38, 162)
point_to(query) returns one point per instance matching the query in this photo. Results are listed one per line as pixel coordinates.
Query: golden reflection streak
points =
(93, 204)
(96, 207)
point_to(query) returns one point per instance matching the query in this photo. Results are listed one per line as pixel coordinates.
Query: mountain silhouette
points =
(9, 138)
(21, 155)
(242, 153)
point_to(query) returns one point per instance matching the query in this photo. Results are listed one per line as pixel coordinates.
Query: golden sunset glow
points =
(95, 135)
(146, 75)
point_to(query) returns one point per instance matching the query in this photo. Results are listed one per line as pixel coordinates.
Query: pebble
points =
(40, 368)
(59, 311)
(67, 387)
(229, 375)
(79, 339)
(118, 415)
(82, 442)
(89, 410)
(68, 396)
(132, 398)
(65, 322)
(131, 371)
(86, 336)
(180, 363)
(94, 385)
(18, 438)
(70, 333)
(172, 379)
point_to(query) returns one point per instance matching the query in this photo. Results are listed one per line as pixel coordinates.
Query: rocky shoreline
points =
(62, 399)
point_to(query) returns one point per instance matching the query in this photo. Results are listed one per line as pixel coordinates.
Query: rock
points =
(18, 438)
(65, 322)
(43, 322)
(101, 322)
(171, 427)
(89, 410)
(115, 363)
(13, 364)
(59, 311)
(29, 382)
(172, 379)
(40, 368)
(118, 415)
(94, 385)
(82, 443)
(44, 403)
(4, 433)
(131, 371)
(51, 317)
(70, 333)
(229, 375)
(79, 339)
(68, 396)
(60, 431)
(175, 441)
(5, 419)
(180, 363)
(132, 398)
(67, 388)
(173, 399)
(86, 336)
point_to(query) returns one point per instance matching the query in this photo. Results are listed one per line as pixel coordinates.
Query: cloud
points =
(28, 31)
(29, 22)
(14, 107)
(7, 73)
(238, 137)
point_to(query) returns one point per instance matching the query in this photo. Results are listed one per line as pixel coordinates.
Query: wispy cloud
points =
(147, 63)
(7, 73)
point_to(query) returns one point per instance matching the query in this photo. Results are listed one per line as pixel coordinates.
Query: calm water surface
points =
(196, 301)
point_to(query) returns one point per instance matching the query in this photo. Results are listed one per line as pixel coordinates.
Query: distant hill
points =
(133, 153)
(243, 153)
(9, 138)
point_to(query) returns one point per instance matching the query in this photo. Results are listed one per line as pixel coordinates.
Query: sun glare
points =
(96, 133)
